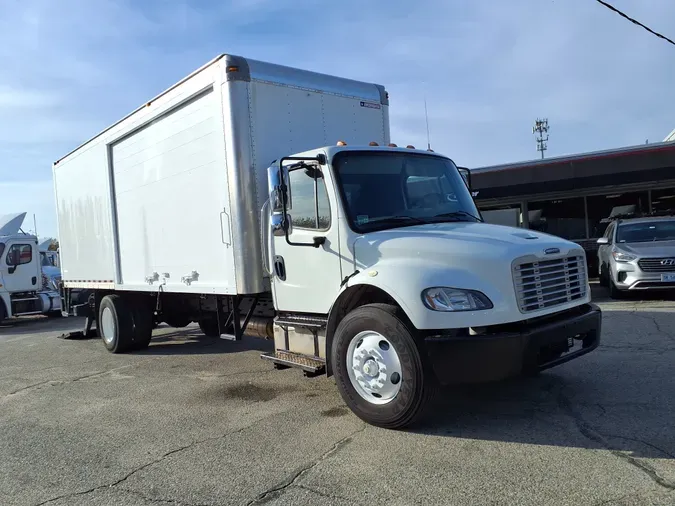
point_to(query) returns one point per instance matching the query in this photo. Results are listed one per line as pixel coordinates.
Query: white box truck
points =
(216, 203)
(29, 282)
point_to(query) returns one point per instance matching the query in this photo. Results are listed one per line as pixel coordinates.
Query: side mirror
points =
(277, 225)
(466, 175)
(603, 240)
(279, 188)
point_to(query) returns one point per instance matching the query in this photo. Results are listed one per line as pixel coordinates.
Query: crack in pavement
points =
(637, 440)
(326, 495)
(162, 501)
(36, 386)
(592, 434)
(278, 489)
(151, 463)
(654, 321)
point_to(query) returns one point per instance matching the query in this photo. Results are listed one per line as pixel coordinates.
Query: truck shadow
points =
(192, 341)
(618, 398)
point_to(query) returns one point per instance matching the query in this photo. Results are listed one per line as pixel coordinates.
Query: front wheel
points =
(614, 292)
(379, 369)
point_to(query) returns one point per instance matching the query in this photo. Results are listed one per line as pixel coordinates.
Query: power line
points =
(635, 21)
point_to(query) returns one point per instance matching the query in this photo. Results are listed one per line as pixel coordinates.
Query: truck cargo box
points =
(171, 194)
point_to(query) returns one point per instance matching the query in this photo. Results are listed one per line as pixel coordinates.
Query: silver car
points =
(637, 254)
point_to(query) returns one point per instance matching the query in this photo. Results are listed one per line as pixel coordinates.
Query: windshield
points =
(393, 189)
(47, 261)
(646, 231)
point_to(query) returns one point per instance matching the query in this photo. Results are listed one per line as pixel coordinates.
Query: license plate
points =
(668, 278)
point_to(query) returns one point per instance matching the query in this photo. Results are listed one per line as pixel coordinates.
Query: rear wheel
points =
(143, 324)
(209, 325)
(3, 312)
(115, 324)
(177, 320)
(379, 370)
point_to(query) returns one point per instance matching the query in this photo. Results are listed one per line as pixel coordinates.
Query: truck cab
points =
(387, 245)
(23, 288)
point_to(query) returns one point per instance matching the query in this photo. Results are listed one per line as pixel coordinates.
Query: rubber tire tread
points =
(390, 321)
(143, 325)
(123, 341)
(614, 292)
(603, 278)
(209, 326)
(3, 312)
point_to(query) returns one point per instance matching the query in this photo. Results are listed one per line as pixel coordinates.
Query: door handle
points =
(280, 267)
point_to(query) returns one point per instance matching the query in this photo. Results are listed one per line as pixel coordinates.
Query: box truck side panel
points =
(287, 119)
(170, 185)
(82, 193)
(83, 190)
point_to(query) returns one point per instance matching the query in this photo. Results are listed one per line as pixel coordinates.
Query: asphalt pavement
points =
(199, 421)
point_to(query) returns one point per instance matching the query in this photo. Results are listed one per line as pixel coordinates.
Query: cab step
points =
(312, 366)
(308, 322)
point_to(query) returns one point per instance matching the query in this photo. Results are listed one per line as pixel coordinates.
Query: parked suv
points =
(637, 254)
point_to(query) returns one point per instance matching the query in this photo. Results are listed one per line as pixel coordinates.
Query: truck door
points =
(19, 266)
(307, 279)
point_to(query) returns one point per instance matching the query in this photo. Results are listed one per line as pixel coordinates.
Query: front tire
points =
(380, 372)
(614, 292)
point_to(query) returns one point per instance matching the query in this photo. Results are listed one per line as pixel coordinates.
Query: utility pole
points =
(540, 128)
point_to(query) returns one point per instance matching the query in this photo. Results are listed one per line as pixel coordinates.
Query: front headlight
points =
(444, 298)
(620, 256)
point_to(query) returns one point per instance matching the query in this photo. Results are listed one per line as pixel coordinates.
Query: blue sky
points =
(488, 67)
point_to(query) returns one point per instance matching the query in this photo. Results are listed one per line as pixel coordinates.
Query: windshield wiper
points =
(455, 214)
(397, 219)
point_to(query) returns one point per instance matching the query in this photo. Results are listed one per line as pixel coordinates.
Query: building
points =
(574, 196)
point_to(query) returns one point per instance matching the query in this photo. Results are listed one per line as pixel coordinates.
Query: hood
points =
(11, 223)
(443, 241)
(649, 249)
(51, 272)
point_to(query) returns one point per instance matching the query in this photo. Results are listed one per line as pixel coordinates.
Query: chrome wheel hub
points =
(374, 367)
(107, 325)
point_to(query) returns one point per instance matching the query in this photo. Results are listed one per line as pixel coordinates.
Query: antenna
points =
(426, 118)
(541, 127)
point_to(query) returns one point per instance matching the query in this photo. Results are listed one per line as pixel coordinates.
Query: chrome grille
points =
(655, 265)
(548, 283)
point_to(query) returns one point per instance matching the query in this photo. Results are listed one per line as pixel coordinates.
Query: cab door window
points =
(309, 199)
(19, 254)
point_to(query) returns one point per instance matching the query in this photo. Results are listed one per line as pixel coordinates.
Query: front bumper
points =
(629, 276)
(509, 350)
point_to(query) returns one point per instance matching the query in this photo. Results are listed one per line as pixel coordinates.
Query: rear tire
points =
(3, 312)
(115, 324)
(361, 361)
(177, 321)
(143, 325)
(209, 325)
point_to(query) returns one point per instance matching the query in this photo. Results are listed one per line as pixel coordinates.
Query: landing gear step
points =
(312, 366)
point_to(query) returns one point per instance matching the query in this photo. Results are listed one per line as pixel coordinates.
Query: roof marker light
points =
(410, 146)
(341, 143)
(373, 143)
(392, 145)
